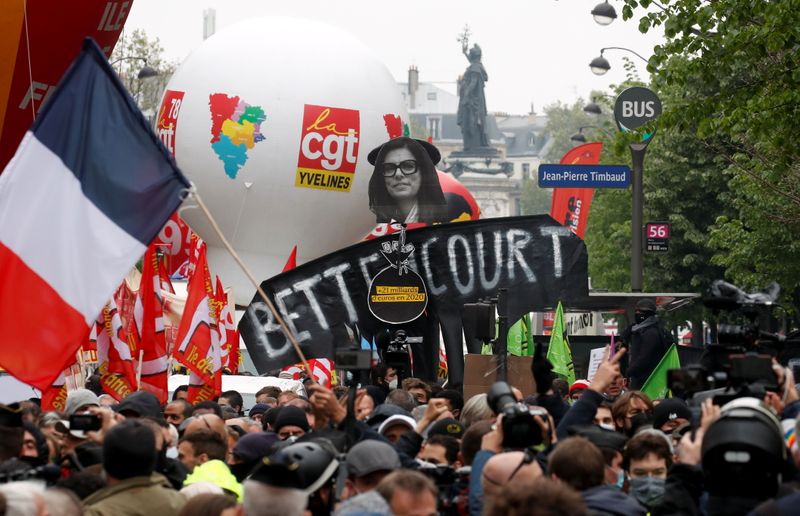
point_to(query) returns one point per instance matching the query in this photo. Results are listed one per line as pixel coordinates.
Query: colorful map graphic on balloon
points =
(235, 129)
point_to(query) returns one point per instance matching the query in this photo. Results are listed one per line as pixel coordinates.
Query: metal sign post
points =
(634, 108)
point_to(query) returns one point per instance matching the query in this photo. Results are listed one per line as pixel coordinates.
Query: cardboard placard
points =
(480, 372)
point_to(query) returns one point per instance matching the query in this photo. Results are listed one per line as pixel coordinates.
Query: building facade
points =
(519, 139)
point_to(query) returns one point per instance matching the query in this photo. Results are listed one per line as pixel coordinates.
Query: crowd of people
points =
(405, 447)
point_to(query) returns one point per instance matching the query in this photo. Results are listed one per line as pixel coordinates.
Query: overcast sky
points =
(534, 50)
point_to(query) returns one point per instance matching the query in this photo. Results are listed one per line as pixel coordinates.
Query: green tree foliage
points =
(146, 92)
(534, 200)
(734, 67)
(563, 121)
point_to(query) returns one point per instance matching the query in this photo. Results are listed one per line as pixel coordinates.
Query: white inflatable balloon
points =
(272, 119)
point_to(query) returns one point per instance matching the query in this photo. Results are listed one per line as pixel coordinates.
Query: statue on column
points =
(472, 101)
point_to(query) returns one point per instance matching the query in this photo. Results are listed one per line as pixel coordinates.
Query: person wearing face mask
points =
(646, 460)
(577, 462)
(647, 341)
(631, 411)
(384, 377)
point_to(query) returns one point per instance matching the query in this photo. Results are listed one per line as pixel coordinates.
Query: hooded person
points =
(647, 343)
(404, 186)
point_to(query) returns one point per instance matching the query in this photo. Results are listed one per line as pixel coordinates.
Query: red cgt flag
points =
(148, 331)
(198, 336)
(117, 372)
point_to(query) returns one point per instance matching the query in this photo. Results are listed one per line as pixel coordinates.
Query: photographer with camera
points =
(519, 433)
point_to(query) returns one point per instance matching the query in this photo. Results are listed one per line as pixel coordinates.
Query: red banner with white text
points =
(570, 206)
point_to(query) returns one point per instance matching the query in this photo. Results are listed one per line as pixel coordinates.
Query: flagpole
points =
(139, 371)
(275, 313)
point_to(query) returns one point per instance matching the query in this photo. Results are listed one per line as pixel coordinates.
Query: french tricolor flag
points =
(88, 189)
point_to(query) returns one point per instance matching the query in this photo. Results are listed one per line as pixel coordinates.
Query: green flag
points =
(656, 386)
(558, 352)
(519, 337)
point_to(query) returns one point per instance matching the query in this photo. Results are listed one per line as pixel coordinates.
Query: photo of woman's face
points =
(402, 187)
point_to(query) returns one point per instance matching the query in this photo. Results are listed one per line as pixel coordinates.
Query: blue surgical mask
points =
(620, 480)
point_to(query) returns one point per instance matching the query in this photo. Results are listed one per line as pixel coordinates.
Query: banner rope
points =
(286, 331)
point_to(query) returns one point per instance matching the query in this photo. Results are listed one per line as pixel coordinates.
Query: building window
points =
(431, 95)
(435, 128)
(526, 170)
(531, 140)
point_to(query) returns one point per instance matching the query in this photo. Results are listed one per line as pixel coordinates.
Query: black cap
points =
(255, 446)
(291, 415)
(430, 149)
(448, 426)
(669, 409)
(600, 437)
(10, 415)
(141, 404)
(646, 305)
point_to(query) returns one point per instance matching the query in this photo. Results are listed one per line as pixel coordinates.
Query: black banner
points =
(539, 261)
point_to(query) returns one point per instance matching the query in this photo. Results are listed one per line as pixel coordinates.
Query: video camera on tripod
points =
(740, 363)
(394, 351)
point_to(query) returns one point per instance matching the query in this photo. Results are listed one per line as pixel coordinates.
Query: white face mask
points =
(607, 426)
(393, 384)
(172, 452)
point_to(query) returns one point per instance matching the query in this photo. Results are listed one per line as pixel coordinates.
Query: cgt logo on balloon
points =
(167, 122)
(328, 148)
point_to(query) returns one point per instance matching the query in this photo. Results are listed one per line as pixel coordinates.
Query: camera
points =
(740, 363)
(85, 422)
(353, 360)
(453, 488)
(395, 352)
(520, 430)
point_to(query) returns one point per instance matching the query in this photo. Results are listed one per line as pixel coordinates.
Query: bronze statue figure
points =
(472, 101)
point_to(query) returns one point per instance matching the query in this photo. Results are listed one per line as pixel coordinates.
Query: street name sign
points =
(584, 176)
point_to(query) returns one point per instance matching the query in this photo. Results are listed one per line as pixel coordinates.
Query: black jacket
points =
(647, 344)
(606, 500)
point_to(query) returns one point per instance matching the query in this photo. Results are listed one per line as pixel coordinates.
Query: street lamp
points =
(600, 64)
(604, 14)
(593, 108)
(146, 72)
(580, 137)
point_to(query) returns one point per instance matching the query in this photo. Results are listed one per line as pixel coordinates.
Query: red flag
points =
(197, 248)
(55, 396)
(228, 333)
(570, 206)
(117, 374)
(177, 238)
(149, 327)
(322, 369)
(198, 337)
(291, 263)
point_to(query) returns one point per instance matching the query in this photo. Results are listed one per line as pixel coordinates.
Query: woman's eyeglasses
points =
(407, 167)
